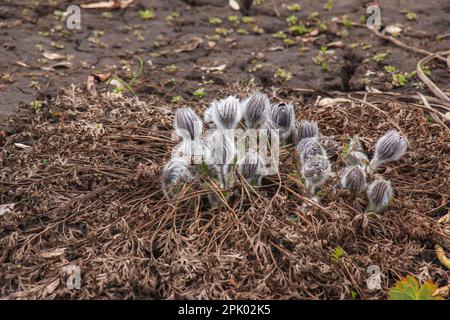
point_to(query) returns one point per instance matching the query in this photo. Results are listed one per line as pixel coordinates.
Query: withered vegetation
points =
(87, 192)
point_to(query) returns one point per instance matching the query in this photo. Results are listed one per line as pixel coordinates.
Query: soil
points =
(120, 40)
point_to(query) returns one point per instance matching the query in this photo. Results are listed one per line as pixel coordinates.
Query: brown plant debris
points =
(87, 194)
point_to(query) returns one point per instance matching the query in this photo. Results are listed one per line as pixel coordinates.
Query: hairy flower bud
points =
(309, 147)
(390, 147)
(316, 171)
(187, 124)
(307, 129)
(282, 118)
(226, 113)
(177, 169)
(256, 110)
(251, 167)
(354, 179)
(379, 193)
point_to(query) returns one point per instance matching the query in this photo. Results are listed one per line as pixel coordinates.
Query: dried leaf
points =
(113, 4)
(191, 45)
(21, 145)
(53, 56)
(53, 254)
(63, 64)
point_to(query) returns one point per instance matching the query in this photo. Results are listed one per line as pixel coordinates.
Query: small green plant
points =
(329, 5)
(292, 20)
(242, 31)
(246, 19)
(257, 30)
(410, 289)
(172, 17)
(107, 15)
(177, 99)
(146, 14)
(233, 19)
(215, 20)
(337, 253)
(279, 35)
(294, 7)
(221, 31)
(379, 57)
(299, 30)
(411, 16)
(398, 79)
(347, 22)
(200, 93)
(283, 74)
(36, 105)
(288, 42)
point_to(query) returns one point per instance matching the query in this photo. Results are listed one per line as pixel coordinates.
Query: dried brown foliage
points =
(88, 193)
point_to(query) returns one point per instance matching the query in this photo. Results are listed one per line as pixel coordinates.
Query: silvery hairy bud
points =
(354, 179)
(219, 153)
(282, 118)
(390, 147)
(252, 168)
(256, 110)
(187, 124)
(307, 129)
(380, 194)
(316, 171)
(226, 113)
(309, 147)
(176, 170)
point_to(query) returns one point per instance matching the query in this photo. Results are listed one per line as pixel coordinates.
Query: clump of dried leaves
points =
(87, 193)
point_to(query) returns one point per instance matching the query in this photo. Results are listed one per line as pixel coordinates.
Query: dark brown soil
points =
(119, 42)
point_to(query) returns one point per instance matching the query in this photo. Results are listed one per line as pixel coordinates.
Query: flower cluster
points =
(217, 146)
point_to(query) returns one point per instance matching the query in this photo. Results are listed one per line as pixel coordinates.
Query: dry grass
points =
(90, 195)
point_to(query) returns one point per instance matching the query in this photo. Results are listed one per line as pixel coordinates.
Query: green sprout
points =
(329, 5)
(215, 20)
(299, 30)
(347, 22)
(294, 7)
(379, 57)
(411, 16)
(107, 15)
(246, 19)
(36, 105)
(221, 31)
(242, 31)
(233, 19)
(337, 253)
(279, 35)
(177, 99)
(283, 74)
(200, 93)
(146, 14)
(292, 20)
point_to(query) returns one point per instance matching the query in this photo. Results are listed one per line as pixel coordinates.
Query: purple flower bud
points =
(177, 169)
(316, 171)
(379, 193)
(307, 129)
(282, 118)
(390, 147)
(309, 147)
(256, 110)
(251, 167)
(187, 124)
(226, 113)
(354, 179)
